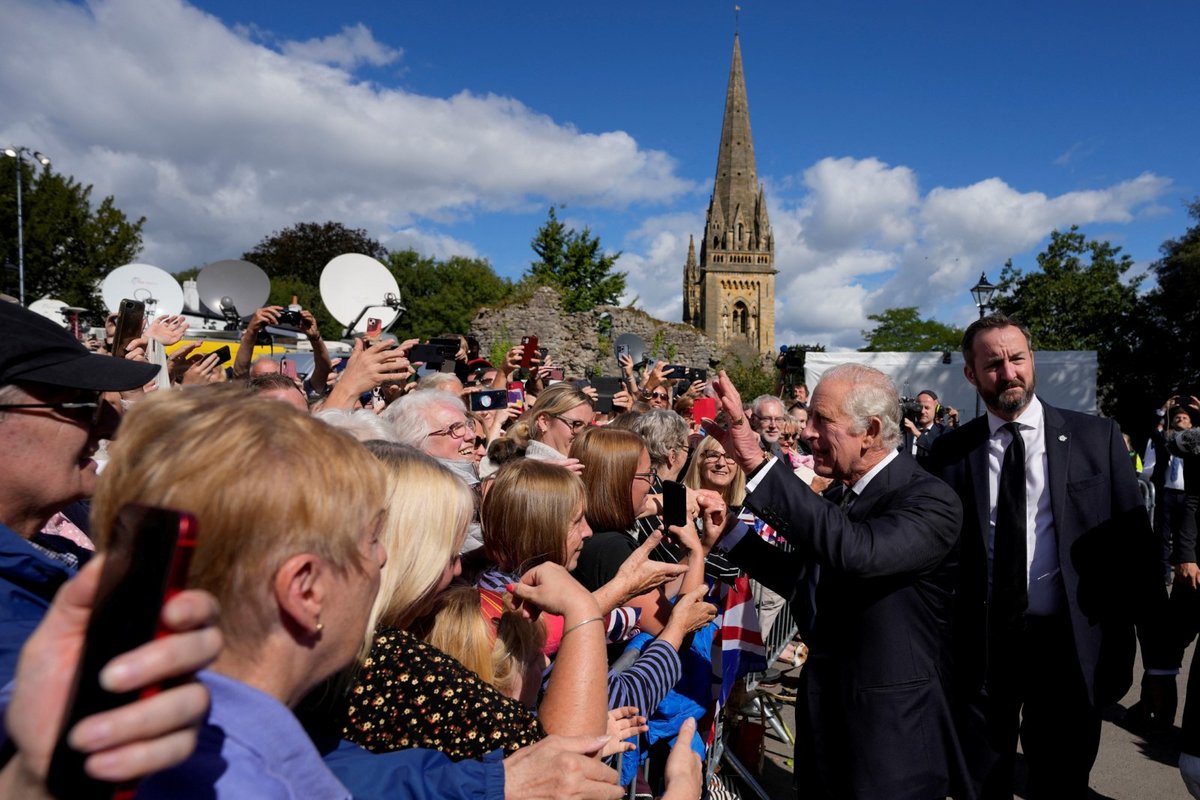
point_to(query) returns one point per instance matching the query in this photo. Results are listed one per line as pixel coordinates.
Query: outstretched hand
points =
(738, 439)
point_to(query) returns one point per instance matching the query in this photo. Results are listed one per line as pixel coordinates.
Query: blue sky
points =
(905, 146)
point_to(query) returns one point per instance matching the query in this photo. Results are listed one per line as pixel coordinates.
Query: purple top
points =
(251, 745)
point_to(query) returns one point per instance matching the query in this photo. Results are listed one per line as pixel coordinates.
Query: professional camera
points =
(910, 408)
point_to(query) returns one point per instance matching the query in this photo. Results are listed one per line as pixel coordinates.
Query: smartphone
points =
(223, 354)
(530, 343)
(427, 354)
(675, 371)
(490, 400)
(674, 504)
(288, 367)
(130, 320)
(146, 564)
(696, 374)
(622, 350)
(516, 395)
(704, 407)
(556, 373)
(605, 388)
(374, 328)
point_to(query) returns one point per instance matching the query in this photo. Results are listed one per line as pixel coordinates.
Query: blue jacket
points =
(28, 580)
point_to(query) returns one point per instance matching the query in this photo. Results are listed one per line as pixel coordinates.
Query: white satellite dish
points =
(355, 287)
(152, 285)
(51, 309)
(243, 284)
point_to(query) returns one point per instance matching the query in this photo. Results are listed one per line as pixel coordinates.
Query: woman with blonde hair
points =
(712, 468)
(295, 573)
(560, 414)
(408, 693)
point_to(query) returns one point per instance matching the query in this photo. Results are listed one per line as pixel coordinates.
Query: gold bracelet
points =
(580, 625)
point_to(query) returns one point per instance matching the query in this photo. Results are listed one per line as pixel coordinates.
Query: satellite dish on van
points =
(225, 286)
(637, 348)
(355, 287)
(50, 308)
(152, 285)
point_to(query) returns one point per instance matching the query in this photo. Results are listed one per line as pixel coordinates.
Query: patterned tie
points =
(1010, 588)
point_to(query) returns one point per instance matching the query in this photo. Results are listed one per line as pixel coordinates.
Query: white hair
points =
(872, 394)
(363, 425)
(757, 404)
(409, 416)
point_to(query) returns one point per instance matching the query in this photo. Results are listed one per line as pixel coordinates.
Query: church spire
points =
(736, 188)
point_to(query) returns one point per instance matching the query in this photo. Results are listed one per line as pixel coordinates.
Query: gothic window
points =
(740, 234)
(741, 319)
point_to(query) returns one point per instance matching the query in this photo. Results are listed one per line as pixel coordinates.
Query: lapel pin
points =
(1062, 437)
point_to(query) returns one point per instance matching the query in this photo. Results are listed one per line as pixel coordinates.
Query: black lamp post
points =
(982, 293)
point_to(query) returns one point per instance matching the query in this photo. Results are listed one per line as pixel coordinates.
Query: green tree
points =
(69, 245)
(573, 262)
(304, 249)
(901, 330)
(1080, 298)
(443, 296)
(294, 258)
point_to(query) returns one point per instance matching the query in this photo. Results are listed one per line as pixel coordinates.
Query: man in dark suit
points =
(920, 433)
(1058, 561)
(871, 579)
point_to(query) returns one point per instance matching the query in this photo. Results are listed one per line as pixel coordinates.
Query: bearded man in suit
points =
(1058, 563)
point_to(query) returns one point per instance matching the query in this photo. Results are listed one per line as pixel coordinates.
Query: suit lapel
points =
(891, 476)
(1058, 455)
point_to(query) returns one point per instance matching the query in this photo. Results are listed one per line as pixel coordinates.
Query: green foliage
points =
(1079, 299)
(504, 342)
(901, 330)
(443, 296)
(304, 249)
(574, 263)
(69, 245)
(750, 377)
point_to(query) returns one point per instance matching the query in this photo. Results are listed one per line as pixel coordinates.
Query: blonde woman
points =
(295, 573)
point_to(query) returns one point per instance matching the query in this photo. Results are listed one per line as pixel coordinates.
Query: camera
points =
(291, 318)
(910, 408)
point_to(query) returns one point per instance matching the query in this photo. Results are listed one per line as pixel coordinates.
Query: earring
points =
(320, 625)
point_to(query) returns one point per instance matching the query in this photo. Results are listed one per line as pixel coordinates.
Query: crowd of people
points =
(398, 592)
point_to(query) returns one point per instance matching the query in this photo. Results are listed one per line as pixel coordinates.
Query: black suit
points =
(1070, 666)
(924, 442)
(874, 713)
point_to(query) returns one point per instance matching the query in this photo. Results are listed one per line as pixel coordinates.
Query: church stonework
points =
(729, 291)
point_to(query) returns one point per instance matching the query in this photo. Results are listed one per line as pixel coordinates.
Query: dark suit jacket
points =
(924, 441)
(1109, 557)
(875, 688)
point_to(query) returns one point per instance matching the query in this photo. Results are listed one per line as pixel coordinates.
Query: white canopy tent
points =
(1065, 378)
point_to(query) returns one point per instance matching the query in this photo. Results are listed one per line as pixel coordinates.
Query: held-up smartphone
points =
(605, 388)
(427, 354)
(146, 563)
(675, 371)
(130, 318)
(223, 354)
(556, 373)
(704, 407)
(530, 343)
(490, 400)
(696, 374)
(374, 328)
(622, 350)
(516, 395)
(674, 504)
(288, 367)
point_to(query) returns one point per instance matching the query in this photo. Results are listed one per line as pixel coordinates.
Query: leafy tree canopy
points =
(304, 249)
(573, 262)
(69, 244)
(901, 330)
(443, 296)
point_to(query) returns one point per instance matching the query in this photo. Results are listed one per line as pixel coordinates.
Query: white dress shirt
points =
(1046, 592)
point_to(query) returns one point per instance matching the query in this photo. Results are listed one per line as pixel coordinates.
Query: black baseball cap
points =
(35, 350)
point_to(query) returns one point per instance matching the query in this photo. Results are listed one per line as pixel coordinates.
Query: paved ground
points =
(1130, 766)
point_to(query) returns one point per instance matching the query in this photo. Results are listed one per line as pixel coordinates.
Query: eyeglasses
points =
(576, 425)
(771, 420)
(648, 477)
(713, 455)
(787, 436)
(659, 396)
(85, 412)
(480, 441)
(458, 430)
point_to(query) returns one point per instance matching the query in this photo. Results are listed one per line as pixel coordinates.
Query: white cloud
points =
(218, 139)
(354, 46)
(434, 245)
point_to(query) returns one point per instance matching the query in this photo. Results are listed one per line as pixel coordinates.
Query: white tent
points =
(1065, 378)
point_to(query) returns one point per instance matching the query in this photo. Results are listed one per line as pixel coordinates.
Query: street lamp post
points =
(18, 153)
(982, 293)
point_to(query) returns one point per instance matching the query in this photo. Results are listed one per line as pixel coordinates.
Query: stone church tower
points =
(729, 292)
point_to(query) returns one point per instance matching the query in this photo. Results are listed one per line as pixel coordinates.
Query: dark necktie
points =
(1010, 589)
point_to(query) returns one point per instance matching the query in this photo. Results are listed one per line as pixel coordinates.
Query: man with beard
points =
(1058, 562)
